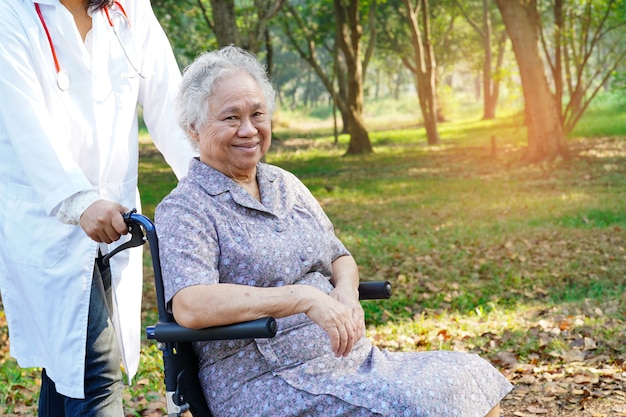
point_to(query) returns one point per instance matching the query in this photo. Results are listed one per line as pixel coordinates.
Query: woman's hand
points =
(340, 322)
(350, 298)
(345, 279)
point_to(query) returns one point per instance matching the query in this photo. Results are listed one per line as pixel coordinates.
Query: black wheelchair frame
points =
(183, 390)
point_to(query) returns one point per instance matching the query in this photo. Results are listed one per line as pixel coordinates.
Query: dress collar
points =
(214, 183)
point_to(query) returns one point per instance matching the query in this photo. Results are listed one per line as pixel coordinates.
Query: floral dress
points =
(211, 230)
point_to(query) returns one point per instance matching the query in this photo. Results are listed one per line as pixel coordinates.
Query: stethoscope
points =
(63, 79)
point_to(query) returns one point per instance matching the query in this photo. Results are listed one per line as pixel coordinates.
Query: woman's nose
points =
(247, 129)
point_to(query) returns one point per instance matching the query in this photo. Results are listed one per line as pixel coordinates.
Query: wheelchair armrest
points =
(173, 332)
(260, 328)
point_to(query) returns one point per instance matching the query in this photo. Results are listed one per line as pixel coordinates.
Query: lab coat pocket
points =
(31, 236)
(126, 92)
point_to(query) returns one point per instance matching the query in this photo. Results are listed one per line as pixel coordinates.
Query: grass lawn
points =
(522, 264)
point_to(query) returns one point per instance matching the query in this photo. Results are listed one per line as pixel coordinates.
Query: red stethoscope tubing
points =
(45, 28)
(117, 3)
(61, 84)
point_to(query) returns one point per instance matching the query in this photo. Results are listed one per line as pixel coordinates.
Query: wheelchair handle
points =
(374, 290)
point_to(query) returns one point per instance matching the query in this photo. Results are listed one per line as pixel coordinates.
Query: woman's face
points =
(238, 131)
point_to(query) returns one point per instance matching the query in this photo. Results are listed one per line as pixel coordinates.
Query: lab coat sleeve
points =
(35, 143)
(157, 92)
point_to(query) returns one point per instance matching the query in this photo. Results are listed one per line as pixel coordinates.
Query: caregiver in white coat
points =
(71, 75)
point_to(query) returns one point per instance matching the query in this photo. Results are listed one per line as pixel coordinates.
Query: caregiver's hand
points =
(103, 221)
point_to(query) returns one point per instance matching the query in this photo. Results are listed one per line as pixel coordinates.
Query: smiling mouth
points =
(247, 146)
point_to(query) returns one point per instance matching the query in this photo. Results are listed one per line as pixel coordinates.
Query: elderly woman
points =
(240, 240)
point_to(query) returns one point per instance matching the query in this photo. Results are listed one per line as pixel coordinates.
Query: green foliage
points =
(187, 30)
(18, 387)
(156, 179)
(606, 117)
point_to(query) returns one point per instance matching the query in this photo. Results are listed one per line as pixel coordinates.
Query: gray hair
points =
(201, 77)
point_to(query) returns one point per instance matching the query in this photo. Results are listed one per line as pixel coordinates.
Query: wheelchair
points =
(183, 390)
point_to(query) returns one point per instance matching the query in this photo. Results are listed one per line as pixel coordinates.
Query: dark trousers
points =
(103, 377)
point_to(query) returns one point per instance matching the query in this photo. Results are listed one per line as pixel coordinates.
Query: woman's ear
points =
(193, 133)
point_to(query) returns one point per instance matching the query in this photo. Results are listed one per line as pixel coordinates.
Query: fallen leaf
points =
(573, 355)
(537, 410)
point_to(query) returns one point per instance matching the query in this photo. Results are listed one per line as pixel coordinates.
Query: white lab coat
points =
(54, 144)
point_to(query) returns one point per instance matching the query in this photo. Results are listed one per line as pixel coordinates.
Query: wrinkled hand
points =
(350, 298)
(103, 221)
(338, 321)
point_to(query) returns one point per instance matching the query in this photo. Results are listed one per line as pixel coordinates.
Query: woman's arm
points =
(201, 306)
(345, 276)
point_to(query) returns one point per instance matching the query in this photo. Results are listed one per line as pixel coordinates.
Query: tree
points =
(349, 33)
(318, 41)
(412, 22)
(186, 27)
(546, 139)
(245, 26)
(583, 45)
(490, 70)
(314, 40)
(242, 23)
(423, 65)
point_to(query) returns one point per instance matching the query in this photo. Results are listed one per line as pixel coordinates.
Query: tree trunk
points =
(269, 48)
(491, 101)
(349, 35)
(424, 68)
(489, 108)
(546, 140)
(341, 96)
(225, 23)
(490, 82)
(558, 57)
(251, 35)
